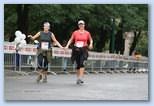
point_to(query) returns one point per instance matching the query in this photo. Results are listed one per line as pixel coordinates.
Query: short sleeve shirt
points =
(81, 38)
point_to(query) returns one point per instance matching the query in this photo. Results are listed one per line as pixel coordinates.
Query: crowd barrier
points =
(98, 62)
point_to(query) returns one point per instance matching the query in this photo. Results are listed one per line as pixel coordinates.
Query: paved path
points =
(63, 87)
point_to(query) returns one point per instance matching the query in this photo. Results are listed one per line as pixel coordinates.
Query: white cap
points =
(81, 22)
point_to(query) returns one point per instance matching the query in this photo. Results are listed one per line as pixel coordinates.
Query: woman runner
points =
(82, 41)
(44, 50)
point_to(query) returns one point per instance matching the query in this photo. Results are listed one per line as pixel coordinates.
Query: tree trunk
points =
(22, 18)
(119, 40)
(129, 38)
(136, 38)
(102, 39)
(112, 37)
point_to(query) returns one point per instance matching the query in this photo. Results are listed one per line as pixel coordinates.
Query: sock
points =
(80, 78)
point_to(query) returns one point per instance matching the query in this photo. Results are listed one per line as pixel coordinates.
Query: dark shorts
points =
(44, 57)
(79, 55)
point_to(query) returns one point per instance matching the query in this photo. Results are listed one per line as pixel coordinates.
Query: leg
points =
(40, 75)
(45, 76)
(78, 67)
(80, 72)
(45, 66)
(45, 71)
(39, 63)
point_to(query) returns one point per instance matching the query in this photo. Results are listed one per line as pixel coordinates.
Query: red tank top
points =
(81, 38)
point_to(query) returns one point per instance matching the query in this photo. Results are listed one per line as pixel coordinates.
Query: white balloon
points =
(18, 33)
(23, 42)
(22, 37)
(17, 40)
(20, 46)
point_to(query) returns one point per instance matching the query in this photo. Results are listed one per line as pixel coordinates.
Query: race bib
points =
(79, 44)
(45, 45)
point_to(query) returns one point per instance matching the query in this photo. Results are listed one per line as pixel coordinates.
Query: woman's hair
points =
(46, 23)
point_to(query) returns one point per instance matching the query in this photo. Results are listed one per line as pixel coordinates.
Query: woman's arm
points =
(55, 40)
(35, 36)
(69, 42)
(91, 42)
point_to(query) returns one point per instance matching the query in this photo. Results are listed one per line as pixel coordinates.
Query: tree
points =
(64, 18)
(22, 18)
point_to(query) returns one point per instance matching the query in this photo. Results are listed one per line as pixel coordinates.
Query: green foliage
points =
(10, 19)
(64, 18)
(142, 45)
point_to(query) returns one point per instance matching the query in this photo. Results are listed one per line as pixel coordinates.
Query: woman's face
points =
(81, 26)
(46, 28)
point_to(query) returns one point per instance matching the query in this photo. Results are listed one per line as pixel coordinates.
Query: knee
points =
(79, 66)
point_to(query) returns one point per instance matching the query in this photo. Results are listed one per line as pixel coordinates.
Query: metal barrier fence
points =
(26, 60)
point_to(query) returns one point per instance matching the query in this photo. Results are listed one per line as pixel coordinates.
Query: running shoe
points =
(38, 78)
(45, 80)
(79, 81)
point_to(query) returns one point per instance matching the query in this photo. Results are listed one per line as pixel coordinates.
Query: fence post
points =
(20, 62)
(101, 66)
(35, 62)
(74, 67)
(15, 62)
(92, 66)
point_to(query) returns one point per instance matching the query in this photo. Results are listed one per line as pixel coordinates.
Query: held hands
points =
(62, 47)
(66, 47)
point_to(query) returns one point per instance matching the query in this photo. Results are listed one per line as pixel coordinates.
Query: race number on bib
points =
(45, 45)
(79, 44)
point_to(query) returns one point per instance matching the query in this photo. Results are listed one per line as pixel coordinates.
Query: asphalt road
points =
(63, 87)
